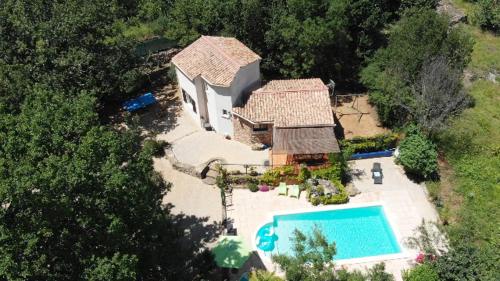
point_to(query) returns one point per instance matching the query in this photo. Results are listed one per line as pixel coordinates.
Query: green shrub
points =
(340, 160)
(341, 198)
(418, 155)
(253, 187)
(487, 15)
(286, 170)
(157, 148)
(262, 275)
(304, 186)
(304, 174)
(371, 144)
(332, 172)
(423, 272)
(315, 201)
(273, 176)
(465, 261)
(270, 177)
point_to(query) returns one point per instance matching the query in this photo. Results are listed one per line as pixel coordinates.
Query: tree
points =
(428, 239)
(437, 95)
(80, 201)
(262, 275)
(423, 272)
(377, 273)
(188, 19)
(417, 154)
(394, 71)
(418, 4)
(313, 260)
(487, 15)
(71, 45)
(326, 39)
(465, 262)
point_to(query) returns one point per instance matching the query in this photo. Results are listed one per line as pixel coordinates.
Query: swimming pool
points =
(357, 232)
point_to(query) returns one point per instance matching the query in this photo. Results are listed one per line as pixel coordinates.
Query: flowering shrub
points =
(264, 188)
(420, 258)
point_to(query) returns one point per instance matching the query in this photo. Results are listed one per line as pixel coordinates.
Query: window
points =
(260, 127)
(194, 105)
(187, 99)
(225, 113)
(184, 96)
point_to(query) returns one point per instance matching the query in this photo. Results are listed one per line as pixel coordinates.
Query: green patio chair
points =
(294, 191)
(282, 189)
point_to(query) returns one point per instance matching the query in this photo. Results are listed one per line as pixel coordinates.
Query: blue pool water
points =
(357, 232)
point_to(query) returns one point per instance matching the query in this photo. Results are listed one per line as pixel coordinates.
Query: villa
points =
(213, 73)
(221, 89)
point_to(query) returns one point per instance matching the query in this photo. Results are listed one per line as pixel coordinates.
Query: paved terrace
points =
(405, 203)
(194, 146)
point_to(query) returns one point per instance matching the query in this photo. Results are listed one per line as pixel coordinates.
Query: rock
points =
(328, 186)
(492, 77)
(456, 15)
(212, 174)
(258, 146)
(352, 190)
(312, 182)
(209, 181)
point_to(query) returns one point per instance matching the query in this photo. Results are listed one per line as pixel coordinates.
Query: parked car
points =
(377, 174)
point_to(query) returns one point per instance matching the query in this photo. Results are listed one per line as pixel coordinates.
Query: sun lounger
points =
(377, 174)
(282, 189)
(140, 102)
(294, 191)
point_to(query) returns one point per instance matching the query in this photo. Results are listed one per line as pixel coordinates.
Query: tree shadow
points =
(338, 129)
(357, 173)
(417, 178)
(162, 116)
(253, 263)
(194, 236)
(197, 234)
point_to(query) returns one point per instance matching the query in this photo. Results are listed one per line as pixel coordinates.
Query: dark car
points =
(377, 174)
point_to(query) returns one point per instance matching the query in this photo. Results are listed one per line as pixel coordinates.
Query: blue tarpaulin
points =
(140, 102)
(366, 155)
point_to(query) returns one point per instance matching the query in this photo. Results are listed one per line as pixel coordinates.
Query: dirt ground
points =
(356, 117)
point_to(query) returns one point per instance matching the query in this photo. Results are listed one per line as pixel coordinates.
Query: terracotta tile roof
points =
(216, 59)
(289, 103)
(294, 85)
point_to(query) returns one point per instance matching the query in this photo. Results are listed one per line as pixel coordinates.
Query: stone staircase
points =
(210, 173)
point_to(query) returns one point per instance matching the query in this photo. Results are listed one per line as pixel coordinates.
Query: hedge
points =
(371, 144)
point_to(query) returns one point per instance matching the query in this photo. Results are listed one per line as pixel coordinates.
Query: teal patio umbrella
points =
(231, 252)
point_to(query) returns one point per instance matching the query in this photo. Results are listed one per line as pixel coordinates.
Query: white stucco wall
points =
(247, 78)
(190, 87)
(218, 98)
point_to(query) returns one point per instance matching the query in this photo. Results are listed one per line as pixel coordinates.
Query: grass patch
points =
(476, 131)
(464, 5)
(469, 190)
(472, 146)
(486, 54)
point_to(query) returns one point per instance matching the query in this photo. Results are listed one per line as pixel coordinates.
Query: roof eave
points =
(252, 122)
